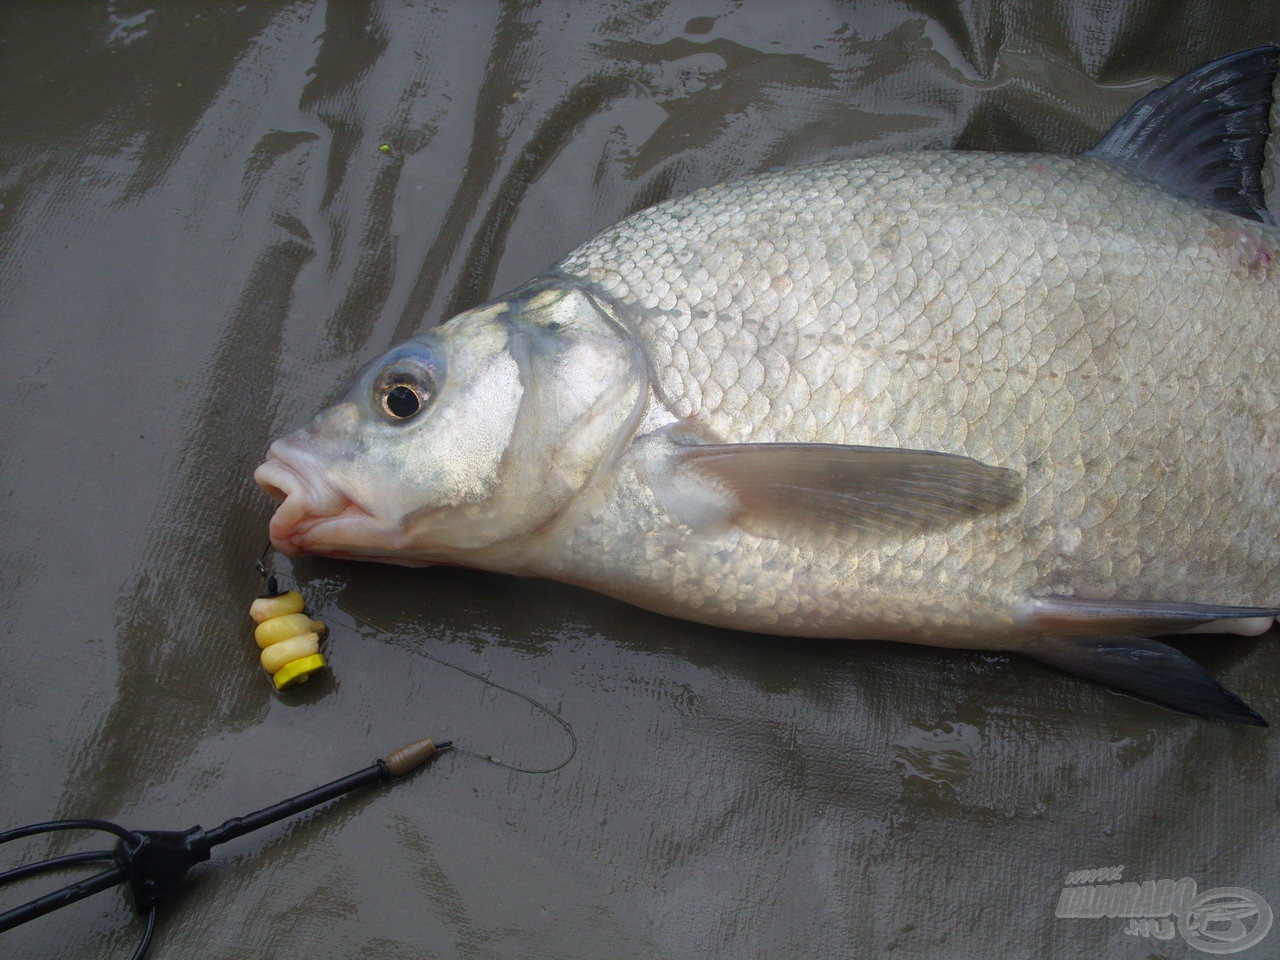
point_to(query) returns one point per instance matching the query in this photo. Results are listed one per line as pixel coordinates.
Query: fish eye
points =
(403, 393)
(402, 401)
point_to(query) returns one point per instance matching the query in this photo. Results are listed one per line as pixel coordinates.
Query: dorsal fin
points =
(1204, 134)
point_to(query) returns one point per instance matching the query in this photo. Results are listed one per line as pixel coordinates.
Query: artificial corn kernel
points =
(290, 640)
(295, 648)
(281, 628)
(298, 671)
(265, 608)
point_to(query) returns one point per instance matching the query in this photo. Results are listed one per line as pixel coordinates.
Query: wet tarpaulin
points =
(202, 235)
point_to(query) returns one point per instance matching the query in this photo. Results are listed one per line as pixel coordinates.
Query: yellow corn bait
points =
(290, 640)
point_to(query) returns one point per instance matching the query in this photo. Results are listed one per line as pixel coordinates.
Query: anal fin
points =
(1079, 617)
(1148, 669)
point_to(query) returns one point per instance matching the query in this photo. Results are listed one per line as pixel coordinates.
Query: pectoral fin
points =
(850, 491)
(1146, 668)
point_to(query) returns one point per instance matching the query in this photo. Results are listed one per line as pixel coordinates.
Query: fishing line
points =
(271, 580)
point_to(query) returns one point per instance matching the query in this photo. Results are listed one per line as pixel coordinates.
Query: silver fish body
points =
(965, 399)
(984, 305)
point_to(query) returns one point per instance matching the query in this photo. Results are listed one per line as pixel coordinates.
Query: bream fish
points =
(1017, 402)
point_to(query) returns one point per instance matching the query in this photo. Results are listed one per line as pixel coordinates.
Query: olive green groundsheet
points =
(212, 214)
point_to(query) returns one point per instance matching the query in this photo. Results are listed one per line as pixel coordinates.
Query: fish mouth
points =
(313, 516)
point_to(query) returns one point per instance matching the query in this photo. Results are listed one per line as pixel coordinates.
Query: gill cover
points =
(570, 386)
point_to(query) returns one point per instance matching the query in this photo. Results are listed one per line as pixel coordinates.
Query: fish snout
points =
(304, 501)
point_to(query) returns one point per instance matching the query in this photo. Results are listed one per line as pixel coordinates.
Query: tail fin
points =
(1206, 134)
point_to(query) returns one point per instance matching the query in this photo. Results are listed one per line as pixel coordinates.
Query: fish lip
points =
(391, 558)
(306, 500)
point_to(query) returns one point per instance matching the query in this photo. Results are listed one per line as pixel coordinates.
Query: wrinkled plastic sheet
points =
(203, 236)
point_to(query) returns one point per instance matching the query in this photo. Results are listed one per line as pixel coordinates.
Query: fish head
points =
(462, 444)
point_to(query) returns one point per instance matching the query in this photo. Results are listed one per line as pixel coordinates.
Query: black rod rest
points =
(154, 863)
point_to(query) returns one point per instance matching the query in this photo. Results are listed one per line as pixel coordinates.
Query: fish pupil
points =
(402, 402)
